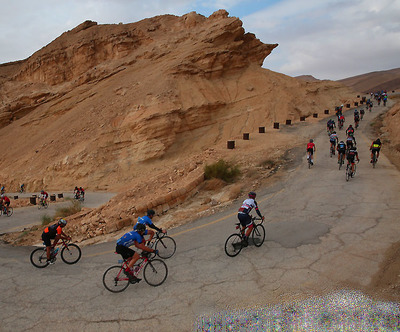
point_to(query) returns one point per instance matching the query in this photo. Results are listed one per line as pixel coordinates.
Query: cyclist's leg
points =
(248, 231)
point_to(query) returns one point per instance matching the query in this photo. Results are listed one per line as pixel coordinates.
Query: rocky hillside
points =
(376, 81)
(140, 108)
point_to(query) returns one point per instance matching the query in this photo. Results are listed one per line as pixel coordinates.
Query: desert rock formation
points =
(140, 108)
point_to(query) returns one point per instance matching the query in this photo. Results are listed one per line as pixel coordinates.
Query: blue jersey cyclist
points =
(244, 214)
(132, 238)
(146, 220)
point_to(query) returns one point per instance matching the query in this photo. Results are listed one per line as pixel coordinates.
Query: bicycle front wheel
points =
(233, 245)
(166, 247)
(71, 254)
(10, 211)
(115, 280)
(39, 258)
(155, 272)
(258, 235)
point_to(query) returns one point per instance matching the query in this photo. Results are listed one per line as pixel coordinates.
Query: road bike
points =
(341, 159)
(374, 159)
(309, 161)
(79, 197)
(164, 244)
(236, 241)
(155, 272)
(6, 211)
(332, 150)
(349, 172)
(43, 204)
(70, 254)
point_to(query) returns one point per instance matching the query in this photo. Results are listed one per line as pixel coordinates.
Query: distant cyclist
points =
(43, 197)
(341, 149)
(350, 130)
(352, 154)
(245, 217)
(54, 232)
(341, 120)
(362, 112)
(310, 151)
(5, 202)
(375, 148)
(147, 221)
(350, 142)
(330, 126)
(333, 139)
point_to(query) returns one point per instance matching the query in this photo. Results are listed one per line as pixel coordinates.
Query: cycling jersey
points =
(129, 238)
(52, 231)
(333, 138)
(247, 206)
(310, 146)
(341, 147)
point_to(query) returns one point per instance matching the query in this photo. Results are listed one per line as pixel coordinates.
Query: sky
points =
(328, 39)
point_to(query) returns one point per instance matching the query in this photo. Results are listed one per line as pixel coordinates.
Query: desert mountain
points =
(376, 81)
(140, 108)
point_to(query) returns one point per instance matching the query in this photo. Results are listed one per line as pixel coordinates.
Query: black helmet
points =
(140, 227)
(150, 212)
(252, 194)
(378, 141)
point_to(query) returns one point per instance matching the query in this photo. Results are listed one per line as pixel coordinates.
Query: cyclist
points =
(310, 151)
(134, 237)
(54, 232)
(76, 192)
(245, 217)
(375, 148)
(350, 130)
(4, 201)
(362, 112)
(330, 125)
(22, 188)
(356, 118)
(341, 121)
(351, 155)
(146, 220)
(341, 149)
(82, 192)
(333, 139)
(350, 142)
(43, 197)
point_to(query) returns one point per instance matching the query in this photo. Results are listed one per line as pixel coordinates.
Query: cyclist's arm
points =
(143, 247)
(258, 212)
(151, 233)
(156, 228)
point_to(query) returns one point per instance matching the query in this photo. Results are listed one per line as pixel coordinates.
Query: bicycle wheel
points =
(258, 235)
(166, 247)
(10, 211)
(155, 272)
(233, 245)
(115, 280)
(39, 258)
(71, 254)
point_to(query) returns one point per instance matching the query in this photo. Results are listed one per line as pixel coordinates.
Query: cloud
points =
(329, 39)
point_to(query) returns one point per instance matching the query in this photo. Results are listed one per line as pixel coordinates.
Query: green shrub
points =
(68, 210)
(46, 219)
(223, 170)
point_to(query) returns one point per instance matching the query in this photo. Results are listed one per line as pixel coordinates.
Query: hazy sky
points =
(329, 39)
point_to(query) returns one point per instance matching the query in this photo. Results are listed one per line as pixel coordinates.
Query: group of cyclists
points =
(348, 147)
(79, 193)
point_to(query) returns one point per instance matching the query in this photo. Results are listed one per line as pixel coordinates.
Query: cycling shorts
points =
(350, 159)
(47, 239)
(6, 203)
(333, 141)
(342, 150)
(375, 150)
(311, 151)
(124, 251)
(245, 219)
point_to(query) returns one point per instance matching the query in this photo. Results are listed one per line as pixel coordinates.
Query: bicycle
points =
(164, 244)
(341, 160)
(374, 159)
(79, 197)
(310, 162)
(155, 272)
(7, 211)
(70, 254)
(349, 172)
(43, 204)
(234, 243)
(332, 150)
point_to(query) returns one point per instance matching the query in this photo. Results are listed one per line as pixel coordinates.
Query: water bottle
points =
(56, 251)
(120, 261)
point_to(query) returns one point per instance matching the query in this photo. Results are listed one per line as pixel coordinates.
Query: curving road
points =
(323, 234)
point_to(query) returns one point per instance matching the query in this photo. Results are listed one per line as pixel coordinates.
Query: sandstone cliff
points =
(140, 108)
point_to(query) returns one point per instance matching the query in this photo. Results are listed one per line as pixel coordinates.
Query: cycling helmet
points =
(252, 194)
(378, 141)
(150, 212)
(311, 140)
(42, 191)
(62, 222)
(140, 227)
(334, 132)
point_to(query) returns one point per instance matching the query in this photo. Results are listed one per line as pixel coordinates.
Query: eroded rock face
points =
(119, 107)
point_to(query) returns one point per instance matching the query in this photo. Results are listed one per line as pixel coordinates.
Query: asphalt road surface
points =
(323, 234)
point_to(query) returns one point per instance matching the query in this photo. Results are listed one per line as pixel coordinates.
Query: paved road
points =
(30, 215)
(323, 234)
